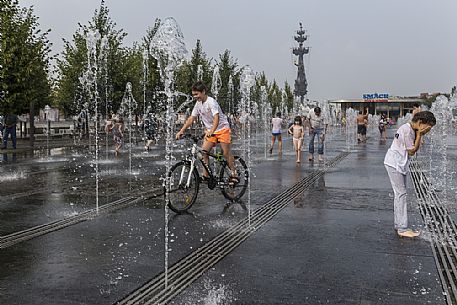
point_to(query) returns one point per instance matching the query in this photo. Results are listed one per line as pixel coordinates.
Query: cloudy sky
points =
(400, 47)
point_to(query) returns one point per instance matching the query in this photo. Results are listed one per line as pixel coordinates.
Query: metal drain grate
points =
(443, 231)
(20, 236)
(162, 289)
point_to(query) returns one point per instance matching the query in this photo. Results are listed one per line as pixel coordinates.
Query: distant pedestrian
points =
(83, 121)
(382, 126)
(297, 132)
(362, 123)
(9, 128)
(150, 127)
(276, 123)
(416, 108)
(118, 135)
(317, 127)
(406, 142)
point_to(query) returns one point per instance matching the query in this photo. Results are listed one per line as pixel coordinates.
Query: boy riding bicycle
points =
(216, 125)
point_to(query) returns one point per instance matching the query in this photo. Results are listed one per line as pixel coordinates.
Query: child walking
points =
(297, 131)
(276, 123)
(406, 142)
(118, 135)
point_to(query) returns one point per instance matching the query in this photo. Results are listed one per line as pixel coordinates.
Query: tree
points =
(228, 67)
(256, 91)
(187, 73)
(275, 96)
(112, 74)
(289, 95)
(24, 60)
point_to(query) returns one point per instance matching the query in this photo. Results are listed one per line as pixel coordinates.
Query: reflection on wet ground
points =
(323, 247)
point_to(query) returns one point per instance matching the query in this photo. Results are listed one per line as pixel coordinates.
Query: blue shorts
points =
(275, 134)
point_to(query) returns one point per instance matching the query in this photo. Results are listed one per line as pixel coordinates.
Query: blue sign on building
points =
(375, 96)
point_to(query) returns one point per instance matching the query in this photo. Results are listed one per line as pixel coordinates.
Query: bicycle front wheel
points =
(234, 191)
(183, 188)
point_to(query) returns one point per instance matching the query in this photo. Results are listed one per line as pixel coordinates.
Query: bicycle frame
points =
(194, 156)
(188, 178)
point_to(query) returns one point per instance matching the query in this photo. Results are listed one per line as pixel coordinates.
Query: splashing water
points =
(216, 82)
(216, 295)
(442, 145)
(168, 42)
(230, 91)
(247, 80)
(12, 177)
(210, 294)
(351, 128)
(266, 116)
(89, 82)
(199, 72)
(128, 106)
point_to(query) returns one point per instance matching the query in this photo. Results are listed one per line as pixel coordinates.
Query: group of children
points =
(317, 127)
(406, 142)
(115, 125)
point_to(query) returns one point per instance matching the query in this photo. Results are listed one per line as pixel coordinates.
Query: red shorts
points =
(221, 136)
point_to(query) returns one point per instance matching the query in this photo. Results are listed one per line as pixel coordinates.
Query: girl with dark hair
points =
(406, 143)
(297, 131)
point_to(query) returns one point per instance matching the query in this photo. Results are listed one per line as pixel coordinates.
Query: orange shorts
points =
(221, 136)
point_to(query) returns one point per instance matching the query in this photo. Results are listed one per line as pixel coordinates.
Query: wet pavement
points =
(333, 244)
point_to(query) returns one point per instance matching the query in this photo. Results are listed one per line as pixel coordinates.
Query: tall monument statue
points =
(301, 85)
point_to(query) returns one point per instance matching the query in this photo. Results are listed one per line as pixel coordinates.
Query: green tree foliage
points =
(275, 96)
(256, 91)
(112, 74)
(24, 60)
(288, 95)
(228, 66)
(187, 73)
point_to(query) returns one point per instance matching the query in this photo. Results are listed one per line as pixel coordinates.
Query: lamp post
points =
(48, 126)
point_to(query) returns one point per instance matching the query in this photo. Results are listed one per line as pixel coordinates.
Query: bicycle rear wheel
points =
(180, 195)
(234, 191)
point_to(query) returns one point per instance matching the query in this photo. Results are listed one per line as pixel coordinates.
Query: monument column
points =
(301, 85)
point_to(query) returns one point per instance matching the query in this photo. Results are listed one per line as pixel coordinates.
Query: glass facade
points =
(393, 108)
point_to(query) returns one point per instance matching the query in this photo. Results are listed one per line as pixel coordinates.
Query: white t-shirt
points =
(397, 155)
(207, 111)
(276, 122)
(316, 121)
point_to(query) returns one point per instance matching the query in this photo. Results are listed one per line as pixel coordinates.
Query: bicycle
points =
(184, 178)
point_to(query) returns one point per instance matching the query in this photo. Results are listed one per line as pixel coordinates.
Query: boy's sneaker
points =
(408, 233)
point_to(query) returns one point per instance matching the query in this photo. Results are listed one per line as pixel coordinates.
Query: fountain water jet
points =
(216, 82)
(246, 82)
(127, 106)
(266, 115)
(169, 42)
(89, 81)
